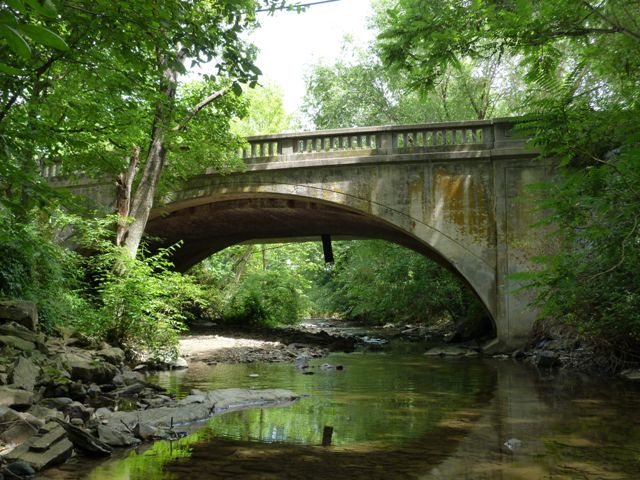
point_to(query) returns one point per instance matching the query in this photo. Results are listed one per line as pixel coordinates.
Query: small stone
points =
(253, 375)
(513, 444)
(116, 438)
(19, 470)
(78, 410)
(179, 363)
(103, 412)
(145, 431)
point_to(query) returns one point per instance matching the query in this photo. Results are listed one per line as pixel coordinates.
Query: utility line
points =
(301, 5)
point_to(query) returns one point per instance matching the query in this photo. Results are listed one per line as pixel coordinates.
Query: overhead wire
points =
(302, 5)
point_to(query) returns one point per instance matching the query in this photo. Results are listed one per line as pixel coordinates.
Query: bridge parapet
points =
(369, 141)
(435, 137)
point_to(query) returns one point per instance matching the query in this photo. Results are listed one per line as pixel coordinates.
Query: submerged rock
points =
(203, 407)
(547, 359)
(446, 351)
(632, 374)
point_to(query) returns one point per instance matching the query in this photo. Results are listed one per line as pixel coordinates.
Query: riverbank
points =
(62, 396)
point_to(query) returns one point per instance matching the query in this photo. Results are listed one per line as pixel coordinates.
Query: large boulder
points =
(113, 355)
(19, 311)
(25, 374)
(17, 330)
(15, 398)
(116, 438)
(15, 427)
(88, 370)
(50, 447)
(17, 343)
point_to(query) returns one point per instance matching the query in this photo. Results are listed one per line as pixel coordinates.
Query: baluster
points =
(400, 140)
(254, 148)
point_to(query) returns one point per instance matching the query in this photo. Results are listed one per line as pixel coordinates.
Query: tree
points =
(581, 61)
(111, 101)
(360, 90)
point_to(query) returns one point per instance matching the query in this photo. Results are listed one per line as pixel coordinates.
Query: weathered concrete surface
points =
(455, 192)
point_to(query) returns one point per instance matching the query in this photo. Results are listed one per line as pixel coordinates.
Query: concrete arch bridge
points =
(456, 192)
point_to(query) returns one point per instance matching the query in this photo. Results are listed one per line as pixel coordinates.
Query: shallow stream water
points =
(397, 415)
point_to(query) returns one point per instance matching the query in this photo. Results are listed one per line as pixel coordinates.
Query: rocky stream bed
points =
(62, 396)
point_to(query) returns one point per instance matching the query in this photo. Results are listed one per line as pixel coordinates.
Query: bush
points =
(381, 282)
(268, 297)
(141, 303)
(35, 267)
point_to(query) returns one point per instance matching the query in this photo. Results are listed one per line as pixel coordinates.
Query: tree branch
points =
(618, 28)
(194, 111)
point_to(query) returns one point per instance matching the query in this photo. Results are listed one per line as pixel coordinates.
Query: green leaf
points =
(44, 36)
(47, 8)
(15, 41)
(10, 70)
(16, 5)
(237, 89)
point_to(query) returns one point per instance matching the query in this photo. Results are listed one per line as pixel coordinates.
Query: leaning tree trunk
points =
(142, 199)
(141, 203)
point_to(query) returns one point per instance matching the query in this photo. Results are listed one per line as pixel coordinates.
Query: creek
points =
(397, 414)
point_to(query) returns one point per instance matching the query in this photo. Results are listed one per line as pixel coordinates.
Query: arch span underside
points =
(209, 222)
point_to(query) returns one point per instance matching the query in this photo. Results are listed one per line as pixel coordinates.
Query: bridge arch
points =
(207, 222)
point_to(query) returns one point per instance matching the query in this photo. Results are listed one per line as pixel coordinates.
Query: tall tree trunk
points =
(123, 195)
(142, 200)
